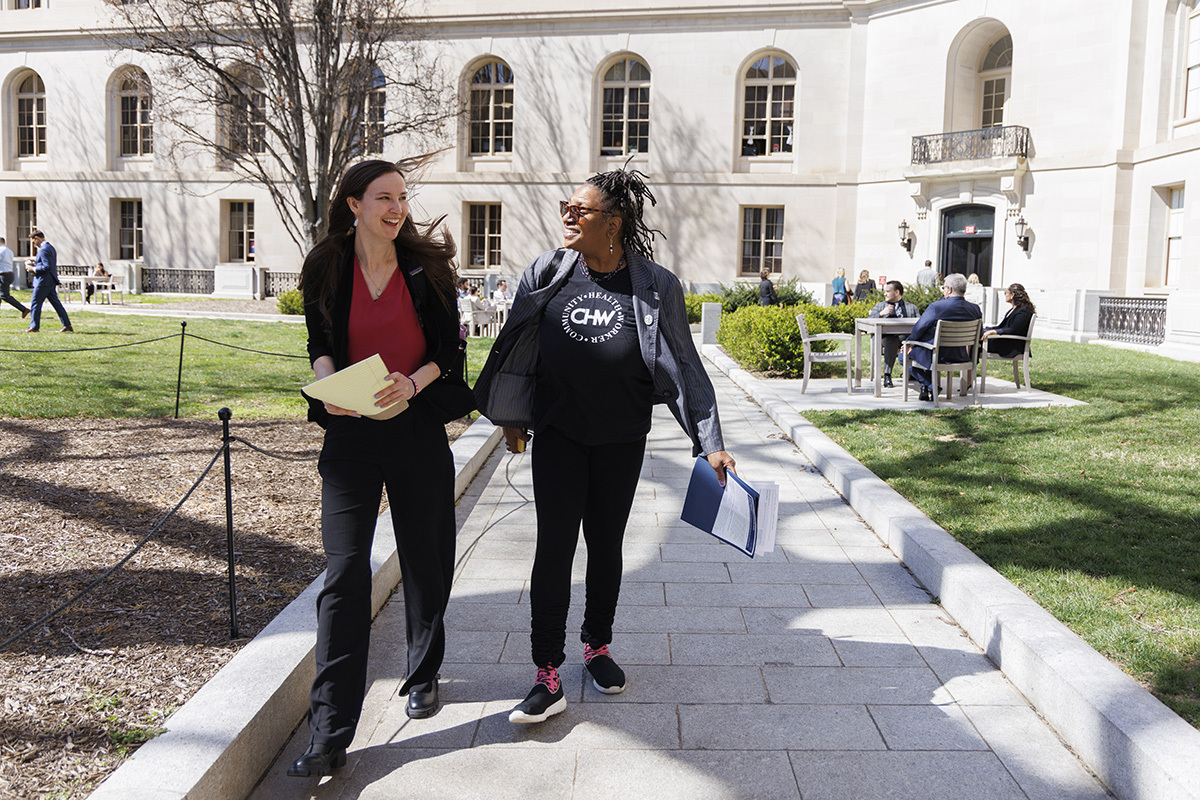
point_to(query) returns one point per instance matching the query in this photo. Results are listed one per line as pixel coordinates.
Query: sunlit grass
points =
(1092, 510)
(140, 381)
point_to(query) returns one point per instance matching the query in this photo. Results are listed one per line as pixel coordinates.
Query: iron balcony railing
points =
(177, 281)
(1011, 140)
(1137, 320)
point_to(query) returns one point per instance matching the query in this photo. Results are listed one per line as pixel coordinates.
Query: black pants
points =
(891, 346)
(408, 455)
(6, 282)
(575, 483)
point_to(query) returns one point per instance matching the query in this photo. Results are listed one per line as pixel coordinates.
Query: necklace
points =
(377, 291)
(601, 277)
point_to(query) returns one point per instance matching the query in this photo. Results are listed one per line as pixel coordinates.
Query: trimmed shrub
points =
(290, 302)
(790, 295)
(694, 302)
(921, 296)
(767, 339)
(740, 295)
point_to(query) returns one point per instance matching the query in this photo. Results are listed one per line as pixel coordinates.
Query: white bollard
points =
(710, 320)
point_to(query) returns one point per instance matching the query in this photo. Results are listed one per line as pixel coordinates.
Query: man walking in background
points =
(7, 275)
(45, 284)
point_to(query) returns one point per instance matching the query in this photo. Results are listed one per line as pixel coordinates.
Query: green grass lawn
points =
(140, 381)
(1091, 510)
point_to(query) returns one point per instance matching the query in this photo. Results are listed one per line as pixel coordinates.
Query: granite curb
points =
(1136, 745)
(219, 743)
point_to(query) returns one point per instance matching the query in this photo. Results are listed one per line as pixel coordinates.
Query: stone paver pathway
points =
(822, 671)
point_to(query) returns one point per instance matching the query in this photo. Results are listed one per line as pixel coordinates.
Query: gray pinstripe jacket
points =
(505, 386)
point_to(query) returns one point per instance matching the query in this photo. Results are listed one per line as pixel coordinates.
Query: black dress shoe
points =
(887, 381)
(423, 700)
(926, 395)
(320, 760)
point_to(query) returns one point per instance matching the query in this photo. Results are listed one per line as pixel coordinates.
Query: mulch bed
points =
(79, 694)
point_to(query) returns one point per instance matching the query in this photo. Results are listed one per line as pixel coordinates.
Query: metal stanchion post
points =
(179, 378)
(225, 415)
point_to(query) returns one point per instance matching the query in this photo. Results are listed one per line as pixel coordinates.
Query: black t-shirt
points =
(592, 383)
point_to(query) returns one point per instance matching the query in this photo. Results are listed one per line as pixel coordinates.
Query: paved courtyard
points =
(823, 671)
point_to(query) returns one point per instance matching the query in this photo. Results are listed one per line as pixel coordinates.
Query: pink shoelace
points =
(590, 652)
(548, 677)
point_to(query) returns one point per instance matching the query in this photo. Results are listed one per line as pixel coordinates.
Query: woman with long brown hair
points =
(1015, 323)
(380, 283)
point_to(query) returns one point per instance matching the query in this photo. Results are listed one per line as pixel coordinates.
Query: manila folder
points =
(354, 388)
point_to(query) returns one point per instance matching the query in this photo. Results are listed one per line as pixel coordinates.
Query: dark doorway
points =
(967, 241)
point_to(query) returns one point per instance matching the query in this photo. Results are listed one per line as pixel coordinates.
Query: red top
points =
(387, 326)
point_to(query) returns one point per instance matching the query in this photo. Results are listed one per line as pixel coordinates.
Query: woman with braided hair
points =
(597, 334)
(1015, 323)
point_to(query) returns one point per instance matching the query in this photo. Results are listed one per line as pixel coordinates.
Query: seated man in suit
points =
(893, 305)
(953, 307)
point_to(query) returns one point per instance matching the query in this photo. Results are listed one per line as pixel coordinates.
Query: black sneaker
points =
(544, 700)
(606, 675)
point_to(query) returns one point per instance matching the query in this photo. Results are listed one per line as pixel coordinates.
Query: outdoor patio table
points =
(875, 327)
(78, 283)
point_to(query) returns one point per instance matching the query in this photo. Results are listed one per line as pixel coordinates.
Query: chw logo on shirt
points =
(593, 317)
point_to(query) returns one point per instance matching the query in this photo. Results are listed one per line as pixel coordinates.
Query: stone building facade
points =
(1022, 140)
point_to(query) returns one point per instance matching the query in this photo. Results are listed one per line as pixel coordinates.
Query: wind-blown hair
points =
(626, 194)
(434, 249)
(1021, 297)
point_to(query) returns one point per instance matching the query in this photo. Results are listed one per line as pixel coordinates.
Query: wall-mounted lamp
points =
(1020, 227)
(905, 242)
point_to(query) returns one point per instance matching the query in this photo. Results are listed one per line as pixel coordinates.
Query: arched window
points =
(769, 107)
(31, 117)
(134, 107)
(246, 106)
(995, 79)
(492, 109)
(625, 109)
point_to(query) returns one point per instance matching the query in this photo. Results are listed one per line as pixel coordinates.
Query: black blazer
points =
(1015, 323)
(438, 323)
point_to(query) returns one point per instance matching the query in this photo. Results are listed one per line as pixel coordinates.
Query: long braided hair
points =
(1021, 297)
(433, 248)
(627, 193)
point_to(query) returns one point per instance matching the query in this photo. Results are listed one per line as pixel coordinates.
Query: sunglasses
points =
(565, 207)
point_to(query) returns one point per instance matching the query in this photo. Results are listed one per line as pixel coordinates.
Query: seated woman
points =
(1015, 323)
(98, 271)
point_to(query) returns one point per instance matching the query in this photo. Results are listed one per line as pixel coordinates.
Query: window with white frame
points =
(491, 110)
(625, 109)
(240, 216)
(762, 239)
(133, 107)
(129, 230)
(21, 4)
(995, 79)
(1191, 99)
(769, 107)
(247, 109)
(26, 225)
(1174, 263)
(372, 114)
(31, 117)
(483, 235)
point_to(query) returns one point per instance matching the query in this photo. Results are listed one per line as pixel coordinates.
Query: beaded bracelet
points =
(414, 384)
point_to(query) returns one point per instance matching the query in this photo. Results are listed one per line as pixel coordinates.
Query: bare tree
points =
(287, 93)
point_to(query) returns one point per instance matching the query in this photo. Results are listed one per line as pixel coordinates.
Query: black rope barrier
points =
(273, 455)
(90, 349)
(51, 615)
(245, 349)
